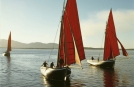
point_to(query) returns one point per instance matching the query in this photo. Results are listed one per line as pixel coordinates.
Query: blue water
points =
(22, 69)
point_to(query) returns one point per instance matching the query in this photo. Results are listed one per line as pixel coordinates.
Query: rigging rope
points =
(54, 42)
(57, 31)
(101, 44)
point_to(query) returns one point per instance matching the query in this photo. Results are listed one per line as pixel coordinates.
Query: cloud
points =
(93, 28)
(96, 22)
(124, 20)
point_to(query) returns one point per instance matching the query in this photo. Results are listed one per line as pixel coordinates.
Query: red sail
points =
(123, 49)
(9, 43)
(71, 33)
(111, 49)
(72, 13)
(69, 44)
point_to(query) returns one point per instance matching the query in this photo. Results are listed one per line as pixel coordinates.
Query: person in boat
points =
(45, 64)
(92, 58)
(52, 65)
(98, 59)
(61, 62)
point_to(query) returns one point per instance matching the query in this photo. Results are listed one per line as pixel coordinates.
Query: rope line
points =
(56, 31)
(54, 42)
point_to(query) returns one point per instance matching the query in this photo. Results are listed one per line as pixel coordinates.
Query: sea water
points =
(22, 69)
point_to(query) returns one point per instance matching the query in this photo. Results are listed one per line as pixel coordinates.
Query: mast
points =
(61, 29)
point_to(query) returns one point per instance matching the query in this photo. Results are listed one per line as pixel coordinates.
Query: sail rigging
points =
(70, 36)
(111, 49)
(71, 48)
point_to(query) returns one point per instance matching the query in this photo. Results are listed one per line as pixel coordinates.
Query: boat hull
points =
(55, 73)
(52, 83)
(104, 64)
(6, 54)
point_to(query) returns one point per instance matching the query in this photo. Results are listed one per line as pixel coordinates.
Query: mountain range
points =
(38, 45)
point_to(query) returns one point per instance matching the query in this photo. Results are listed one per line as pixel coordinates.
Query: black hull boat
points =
(58, 74)
(52, 83)
(103, 64)
(6, 54)
(111, 49)
(70, 50)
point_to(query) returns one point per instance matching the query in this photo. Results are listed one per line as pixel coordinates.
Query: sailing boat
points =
(71, 48)
(111, 49)
(7, 53)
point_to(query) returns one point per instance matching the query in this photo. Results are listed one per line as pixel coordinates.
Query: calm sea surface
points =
(22, 69)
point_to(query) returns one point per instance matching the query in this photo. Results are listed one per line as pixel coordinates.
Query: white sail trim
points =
(77, 58)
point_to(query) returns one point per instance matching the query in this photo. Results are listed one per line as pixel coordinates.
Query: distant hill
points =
(39, 45)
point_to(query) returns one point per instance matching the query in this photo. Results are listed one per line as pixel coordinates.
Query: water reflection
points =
(8, 60)
(55, 83)
(8, 68)
(8, 63)
(110, 78)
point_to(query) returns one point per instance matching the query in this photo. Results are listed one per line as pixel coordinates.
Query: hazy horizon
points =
(42, 47)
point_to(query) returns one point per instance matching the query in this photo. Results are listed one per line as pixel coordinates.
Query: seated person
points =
(52, 65)
(61, 62)
(45, 64)
(98, 59)
(92, 58)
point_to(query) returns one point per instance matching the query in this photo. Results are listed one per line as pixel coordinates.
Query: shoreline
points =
(57, 48)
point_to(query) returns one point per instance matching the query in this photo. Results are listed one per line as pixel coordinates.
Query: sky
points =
(39, 20)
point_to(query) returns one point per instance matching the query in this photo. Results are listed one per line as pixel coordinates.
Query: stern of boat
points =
(108, 64)
(56, 73)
